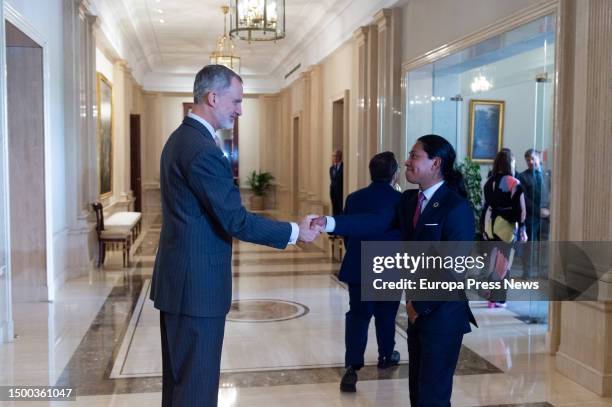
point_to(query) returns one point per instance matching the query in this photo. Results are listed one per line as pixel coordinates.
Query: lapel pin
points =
(435, 204)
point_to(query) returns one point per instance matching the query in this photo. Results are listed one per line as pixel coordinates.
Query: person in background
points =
(336, 174)
(380, 194)
(536, 187)
(502, 219)
(514, 174)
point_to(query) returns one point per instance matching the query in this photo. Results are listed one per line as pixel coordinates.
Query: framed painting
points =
(104, 92)
(486, 129)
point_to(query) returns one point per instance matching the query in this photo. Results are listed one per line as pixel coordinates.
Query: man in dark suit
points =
(374, 198)
(437, 211)
(536, 186)
(202, 213)
(336, 174)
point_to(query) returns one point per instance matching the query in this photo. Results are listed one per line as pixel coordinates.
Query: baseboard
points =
(586, 376)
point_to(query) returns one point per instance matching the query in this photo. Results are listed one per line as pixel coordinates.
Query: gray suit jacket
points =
(202, 212)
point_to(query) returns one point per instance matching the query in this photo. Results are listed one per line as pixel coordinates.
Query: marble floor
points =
(283, 343)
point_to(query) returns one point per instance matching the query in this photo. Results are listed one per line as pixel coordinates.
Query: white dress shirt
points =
(295, 230)
(210, 129)
(429, 192)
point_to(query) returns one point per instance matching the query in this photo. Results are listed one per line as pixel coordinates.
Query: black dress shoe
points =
(389, 361)
(349, 380)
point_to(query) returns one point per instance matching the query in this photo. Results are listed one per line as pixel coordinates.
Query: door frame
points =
(11, 15)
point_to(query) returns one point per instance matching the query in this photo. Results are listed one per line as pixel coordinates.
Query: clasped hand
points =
(311, 227)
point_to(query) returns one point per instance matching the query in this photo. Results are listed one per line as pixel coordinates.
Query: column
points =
(371, 93)
(388, 23)
(367, 93)
(81, 140)
(305, 140)
(6, 311)
(318, 180)
(582, 184)
(121, 136)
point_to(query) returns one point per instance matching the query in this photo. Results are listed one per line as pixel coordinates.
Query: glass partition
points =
(496, 94)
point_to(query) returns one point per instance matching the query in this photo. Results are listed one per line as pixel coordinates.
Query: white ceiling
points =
(182, 44)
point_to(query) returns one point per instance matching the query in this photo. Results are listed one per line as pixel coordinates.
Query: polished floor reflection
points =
(283, 343)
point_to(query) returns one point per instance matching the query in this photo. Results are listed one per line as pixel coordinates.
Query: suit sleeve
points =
(347, 211)
(366, 224)
(460, 225)
(210, 178)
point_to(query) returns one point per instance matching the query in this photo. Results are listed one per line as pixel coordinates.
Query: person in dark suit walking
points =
(437, 211)
(377, 196)
(536, 185)
(336, 174)
(202, 213)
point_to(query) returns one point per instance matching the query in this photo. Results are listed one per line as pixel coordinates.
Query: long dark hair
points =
(436, 146)
(503, 163)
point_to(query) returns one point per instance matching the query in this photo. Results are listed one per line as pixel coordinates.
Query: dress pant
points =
(357, 323)
(191, 359)
(530, 249)
(432, 361)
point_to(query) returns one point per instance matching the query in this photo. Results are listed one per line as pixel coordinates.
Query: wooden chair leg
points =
(100, 248)
(127, 252)
(102, 253)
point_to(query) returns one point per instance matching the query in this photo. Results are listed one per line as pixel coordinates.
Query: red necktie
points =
(417, 212)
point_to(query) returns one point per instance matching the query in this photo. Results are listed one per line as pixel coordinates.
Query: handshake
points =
(311, 227)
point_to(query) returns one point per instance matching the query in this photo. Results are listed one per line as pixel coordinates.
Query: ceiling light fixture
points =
(257, 20)
(161, 20)
(224, 53)
(481, 84)
(160, 11)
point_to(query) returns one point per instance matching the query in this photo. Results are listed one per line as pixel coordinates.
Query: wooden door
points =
(135, 178)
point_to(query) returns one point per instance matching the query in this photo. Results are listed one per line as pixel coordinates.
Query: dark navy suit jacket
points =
(202, 212)
(376, 197)
(447, 217)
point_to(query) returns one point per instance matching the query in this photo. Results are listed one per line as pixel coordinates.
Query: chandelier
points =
(224, 54)
(257, 20)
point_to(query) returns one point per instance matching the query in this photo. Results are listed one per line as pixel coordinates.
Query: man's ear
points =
(437, 163)
(211, 98)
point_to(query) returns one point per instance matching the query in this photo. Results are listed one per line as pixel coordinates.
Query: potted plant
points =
(259, 183)
(472, 179)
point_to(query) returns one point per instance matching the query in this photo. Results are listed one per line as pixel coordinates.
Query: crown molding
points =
(331, 33)
(118, 38)
(183, 83)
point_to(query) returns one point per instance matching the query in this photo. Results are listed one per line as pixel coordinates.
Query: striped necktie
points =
(417, 212)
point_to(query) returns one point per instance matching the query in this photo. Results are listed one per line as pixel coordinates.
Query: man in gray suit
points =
(202, 213)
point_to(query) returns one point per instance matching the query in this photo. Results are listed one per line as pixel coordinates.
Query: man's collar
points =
(208, 126)
(429, 192)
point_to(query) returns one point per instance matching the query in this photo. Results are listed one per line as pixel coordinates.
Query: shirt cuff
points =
(295, 232)
(330, 224)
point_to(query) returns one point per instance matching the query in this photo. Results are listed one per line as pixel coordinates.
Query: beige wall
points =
(430, 24)
(248, 140)
(309, 98)
(337, 72)
(127, 100)
(104, 65)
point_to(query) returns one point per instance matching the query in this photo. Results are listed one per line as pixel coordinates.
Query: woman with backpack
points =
(502, 219)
